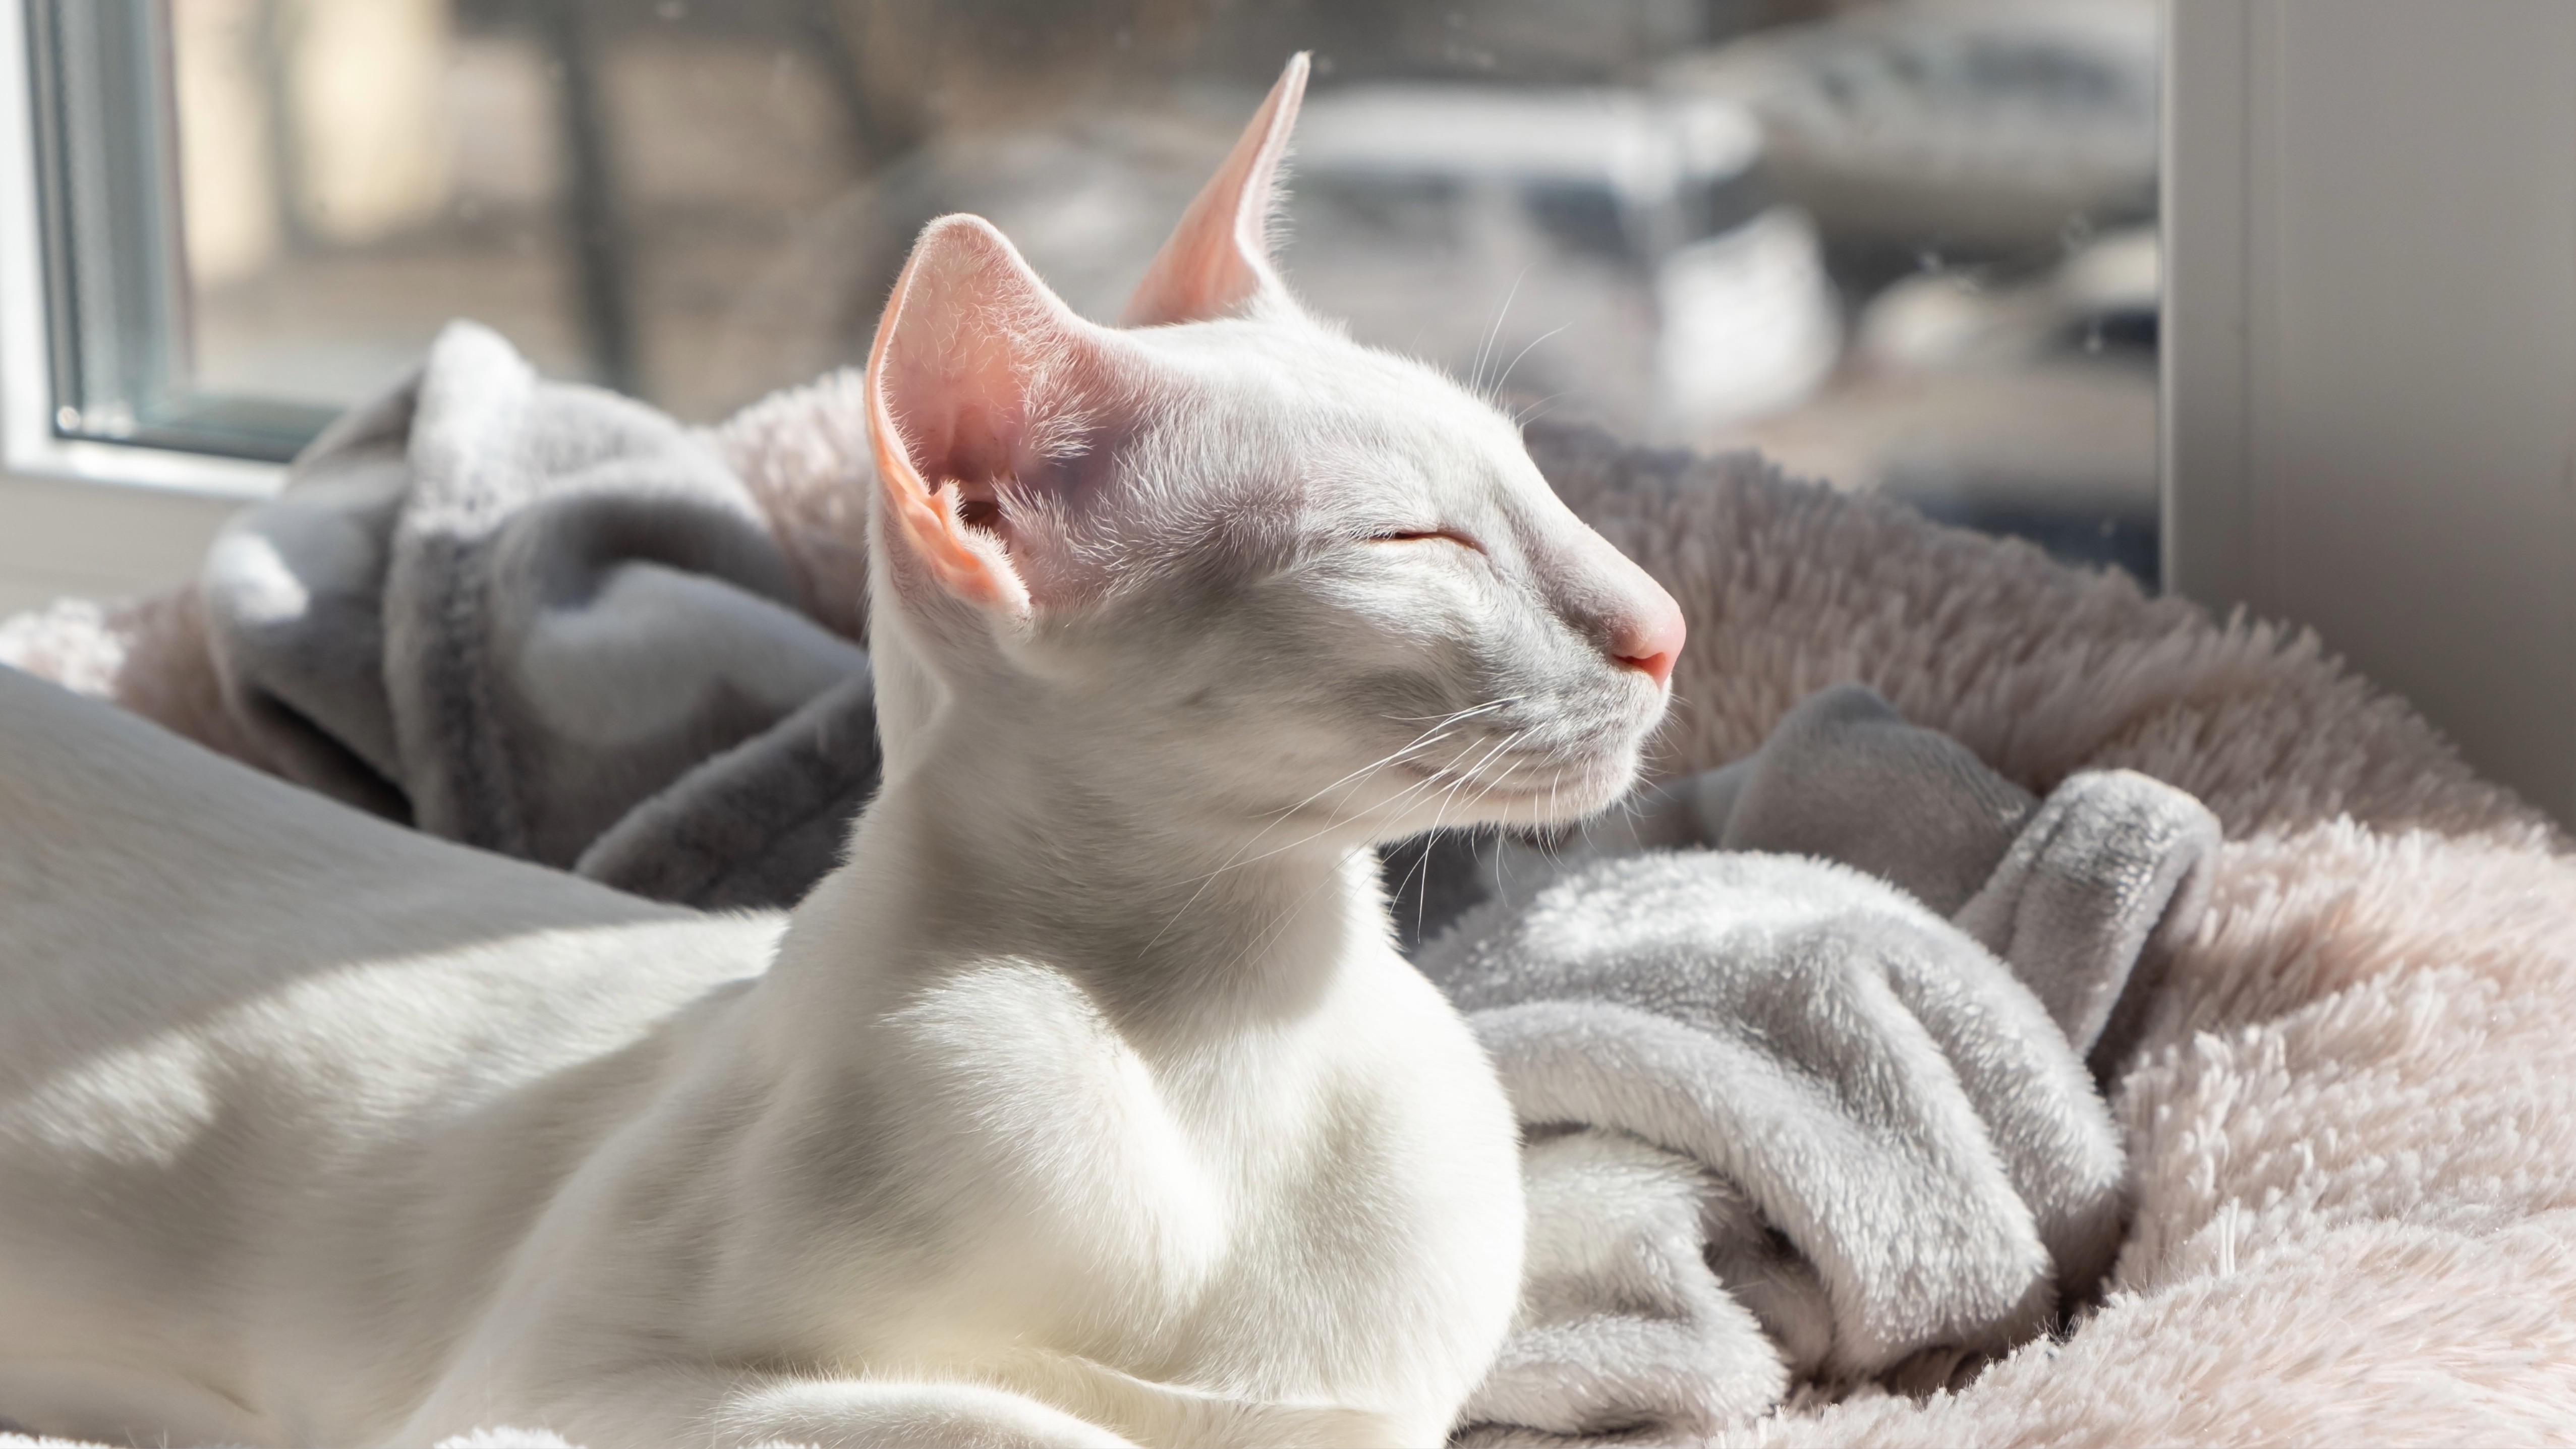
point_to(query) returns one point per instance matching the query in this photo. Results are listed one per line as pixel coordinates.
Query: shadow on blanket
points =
(2346, 1105)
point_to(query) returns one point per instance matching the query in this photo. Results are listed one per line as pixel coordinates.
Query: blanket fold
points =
(549, 621)
(2076, 892)
(1854, 1064)
(1616, 1220)
(1750, 970)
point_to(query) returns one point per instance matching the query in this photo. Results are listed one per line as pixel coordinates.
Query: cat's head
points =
(1227, 556)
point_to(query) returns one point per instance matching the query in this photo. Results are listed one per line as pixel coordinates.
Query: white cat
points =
(1086, 1103)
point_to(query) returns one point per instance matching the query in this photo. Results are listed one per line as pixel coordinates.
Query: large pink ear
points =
(977, 381)
(1219, 256)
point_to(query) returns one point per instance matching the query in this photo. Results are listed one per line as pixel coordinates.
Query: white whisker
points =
(1352, 781)
(1517, 356)
(1476, 375)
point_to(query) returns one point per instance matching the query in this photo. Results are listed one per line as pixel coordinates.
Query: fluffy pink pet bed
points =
(2352, 1120)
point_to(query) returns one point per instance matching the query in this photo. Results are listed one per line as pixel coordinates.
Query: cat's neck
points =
(1003, 837)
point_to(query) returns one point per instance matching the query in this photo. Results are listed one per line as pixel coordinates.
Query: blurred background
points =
(1902, 246)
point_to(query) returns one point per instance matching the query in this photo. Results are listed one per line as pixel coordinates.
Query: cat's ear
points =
(976, 383)
(1219, 256)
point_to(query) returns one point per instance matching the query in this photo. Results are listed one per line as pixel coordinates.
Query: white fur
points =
(1088, 1102)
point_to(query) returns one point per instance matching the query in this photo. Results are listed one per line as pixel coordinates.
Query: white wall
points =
(2370, 348)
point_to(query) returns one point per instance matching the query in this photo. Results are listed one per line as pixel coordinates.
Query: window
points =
(1903, 246)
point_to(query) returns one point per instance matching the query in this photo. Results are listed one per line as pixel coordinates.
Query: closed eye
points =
(1427, 535)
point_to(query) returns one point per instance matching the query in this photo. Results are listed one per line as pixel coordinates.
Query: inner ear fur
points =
(977, 372)
(1218, 258)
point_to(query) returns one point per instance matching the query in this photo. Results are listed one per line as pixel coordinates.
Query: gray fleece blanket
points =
(544, 619)
(1798, 1043)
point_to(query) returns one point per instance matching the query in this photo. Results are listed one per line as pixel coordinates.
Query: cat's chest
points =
(1168, 1207)
(1050, 1124)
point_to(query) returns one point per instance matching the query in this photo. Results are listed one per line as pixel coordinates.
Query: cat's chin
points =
(1541, 811)
(1575, 794)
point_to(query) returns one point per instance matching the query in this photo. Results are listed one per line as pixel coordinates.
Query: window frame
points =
(34, 442)
(2368, 347)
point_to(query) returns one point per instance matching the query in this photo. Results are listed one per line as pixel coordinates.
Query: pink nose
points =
(1650, 638)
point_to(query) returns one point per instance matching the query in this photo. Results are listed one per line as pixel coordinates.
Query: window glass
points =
(1902, 246)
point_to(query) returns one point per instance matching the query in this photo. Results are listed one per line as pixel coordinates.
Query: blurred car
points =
(1615, 246)
(2026, 408)
(1984, 124)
